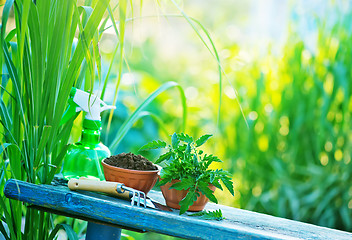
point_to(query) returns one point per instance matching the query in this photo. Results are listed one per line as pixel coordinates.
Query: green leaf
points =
(217, 184)
(209, 215)
(195, 160)
(228, 184)
(174, 141)
(3, 231)
(204, 188)
(24, 25)
(15, 79)
(153, 145)
(71, 235)
(188, 149)
(185, 184)
(8, 216)
(187, 201)
(11, 35)
(163, 182)
(87, 11)
(185, 137)
(3, 175)
(4, 146)
(200, 141)
(5, 16)
(57, 161)
(43, 141)
(212, 177)
(163, 157)
(210, 158)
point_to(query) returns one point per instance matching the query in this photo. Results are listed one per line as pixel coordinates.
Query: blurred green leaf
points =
(200, 141)
(153, 145)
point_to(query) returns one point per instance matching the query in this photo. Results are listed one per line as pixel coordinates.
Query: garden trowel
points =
(116, 189)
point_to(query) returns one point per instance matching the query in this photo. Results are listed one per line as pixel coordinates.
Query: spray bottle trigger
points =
(104, 106)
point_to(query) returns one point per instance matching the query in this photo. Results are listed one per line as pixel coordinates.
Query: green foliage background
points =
(293, 160)
(283, 129)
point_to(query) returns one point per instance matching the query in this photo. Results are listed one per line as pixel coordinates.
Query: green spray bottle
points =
(83, 159)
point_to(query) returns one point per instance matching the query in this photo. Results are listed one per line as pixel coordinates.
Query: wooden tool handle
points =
(98, 186)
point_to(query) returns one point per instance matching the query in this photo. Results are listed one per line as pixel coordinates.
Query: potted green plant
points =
(187, 181)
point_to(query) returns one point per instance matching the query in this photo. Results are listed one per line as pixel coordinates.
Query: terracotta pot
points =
(140, 180)
(173, 197)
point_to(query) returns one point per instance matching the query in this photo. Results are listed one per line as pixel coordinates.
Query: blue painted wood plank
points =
(239, 224)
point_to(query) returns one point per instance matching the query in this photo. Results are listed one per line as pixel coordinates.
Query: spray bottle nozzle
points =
(82, 101)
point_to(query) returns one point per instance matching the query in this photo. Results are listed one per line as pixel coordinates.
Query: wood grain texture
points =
(239, 224)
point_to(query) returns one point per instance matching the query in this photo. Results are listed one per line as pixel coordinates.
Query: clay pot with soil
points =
(134, 171)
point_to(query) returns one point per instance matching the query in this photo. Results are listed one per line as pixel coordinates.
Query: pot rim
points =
(132, 170)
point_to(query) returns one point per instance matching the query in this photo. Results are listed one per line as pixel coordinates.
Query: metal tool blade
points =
(155, 205)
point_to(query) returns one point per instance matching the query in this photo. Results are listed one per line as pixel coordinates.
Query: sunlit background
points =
(283, 124)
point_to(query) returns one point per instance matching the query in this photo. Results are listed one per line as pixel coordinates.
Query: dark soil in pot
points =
(130, 161)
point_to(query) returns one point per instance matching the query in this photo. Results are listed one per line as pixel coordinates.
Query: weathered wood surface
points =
(239, 224)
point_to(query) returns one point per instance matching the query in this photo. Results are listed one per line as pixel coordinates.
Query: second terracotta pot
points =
(140, 180)
(173, 197)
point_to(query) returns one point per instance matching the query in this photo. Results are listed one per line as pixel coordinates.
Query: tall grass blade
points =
(42, 143)
(68, 229)
(136, 114)
(25, 13)
(5, 16)
(122, 23)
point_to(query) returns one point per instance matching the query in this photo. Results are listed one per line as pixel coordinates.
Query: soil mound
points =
(130, 161)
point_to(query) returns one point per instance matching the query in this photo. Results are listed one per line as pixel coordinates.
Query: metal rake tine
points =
(145, 200)
(133, 191)
(138, 194)
(132, 201)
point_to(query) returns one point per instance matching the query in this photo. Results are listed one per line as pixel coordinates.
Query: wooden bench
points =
(102, 209)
